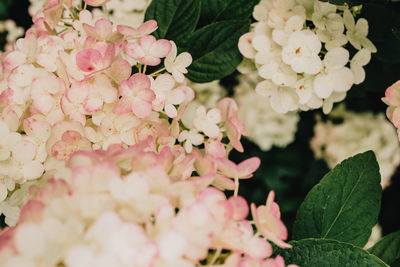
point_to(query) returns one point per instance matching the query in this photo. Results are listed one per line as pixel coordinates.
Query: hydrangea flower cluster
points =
(298, 48)
(357, 133)
(124, 12)
(67, 86)
(266, 127)
(142, 207)
(91, 142)
(392, 99)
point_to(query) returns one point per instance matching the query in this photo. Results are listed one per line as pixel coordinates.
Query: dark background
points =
(293, 171)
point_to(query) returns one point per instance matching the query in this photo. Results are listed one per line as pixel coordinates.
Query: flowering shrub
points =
(159, 214)
(69, 89)
(112, 152)
(298, 48)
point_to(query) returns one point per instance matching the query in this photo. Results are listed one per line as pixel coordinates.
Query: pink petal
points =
(122, 106)
(146, 95)
(140, 81)
(91, 31)
(93, 105)
(150, 60)
(247, 167)
(88, 60)
(109, 55)
(147, 27)
(141, 108)
(134, 50)
(393, 94)
(160, 48)
(241, 209)
(120, 70)
(43, 103)
(127, 30)
(13, 60)
(103, 28)
(147, 41)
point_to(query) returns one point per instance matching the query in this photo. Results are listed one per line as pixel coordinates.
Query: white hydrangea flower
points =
(190, 138)
(335, 77)
(301, 52)
(177, 64)
(297, 46)
(266, 127)
(357, 32)
(358, 133)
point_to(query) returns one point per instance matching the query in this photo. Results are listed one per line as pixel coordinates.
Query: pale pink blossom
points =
(268, 221)
(102, 31)
(136, 95)
(149, 51)
(145, 29)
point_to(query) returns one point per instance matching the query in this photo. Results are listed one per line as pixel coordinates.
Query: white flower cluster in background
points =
(299, 48)
(12, 30)
(357, 133)
(126, 12)
(266, 127)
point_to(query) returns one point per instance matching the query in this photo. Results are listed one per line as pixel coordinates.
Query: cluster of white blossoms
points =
(12, 31)
(266, 127)
(357, 133)
(299, 49)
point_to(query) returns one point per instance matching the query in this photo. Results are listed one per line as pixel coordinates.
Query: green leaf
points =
(4, 5)
(384, 24)
(219, 10)
(214, 50)
(324, 252)
(344, 205)
(176, 19)
(388, 248)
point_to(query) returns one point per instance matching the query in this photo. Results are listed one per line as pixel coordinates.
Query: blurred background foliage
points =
(293, 171)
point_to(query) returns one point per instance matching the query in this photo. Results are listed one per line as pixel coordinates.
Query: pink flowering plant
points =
(103, 161)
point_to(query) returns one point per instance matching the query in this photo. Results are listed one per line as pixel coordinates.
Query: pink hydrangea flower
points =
(268, 221)
(145, 29)
(102, 31)
(392, 98)
(136, 96)
(149, 51)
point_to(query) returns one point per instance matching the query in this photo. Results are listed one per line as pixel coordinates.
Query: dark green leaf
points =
(388, 248)
(324, 252)
(214, 50)
(219, 10)
(176, 19)
(345, 204)
(4, 5)
(383, 20)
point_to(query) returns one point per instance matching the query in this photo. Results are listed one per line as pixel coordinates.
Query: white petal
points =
(362, 57)
(358, 72)
(32, 170)
(323, 86)
(336, 58)
(3, 192)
